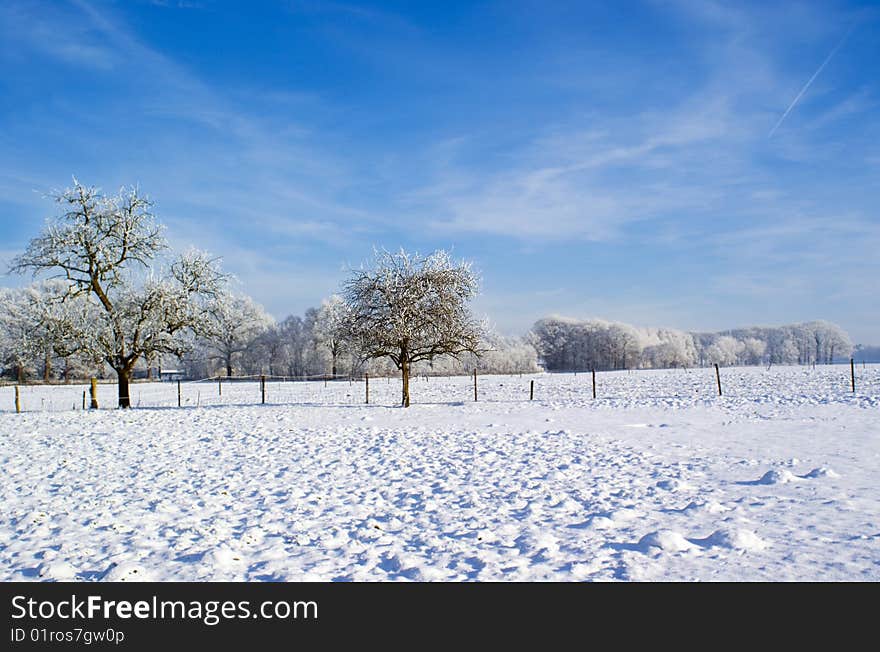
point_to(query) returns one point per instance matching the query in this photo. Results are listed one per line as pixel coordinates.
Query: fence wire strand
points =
(740, 383)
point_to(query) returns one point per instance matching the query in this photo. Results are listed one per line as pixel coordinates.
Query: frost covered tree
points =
(499, 355)
(551, 337)
(40, 319)
(56, 325)
(826, 340)
(623, 346)
(571, 345)
(37, 328)
(292, 335)
(753, 350)
(104, 247)
(409, 308)
(15, 326)
(505, 355)
(330, 328)
(232, 324)
(665, 347)
(724, 350)
(267, 353)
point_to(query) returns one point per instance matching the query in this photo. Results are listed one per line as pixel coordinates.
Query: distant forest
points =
(863, 353)
(571, 344)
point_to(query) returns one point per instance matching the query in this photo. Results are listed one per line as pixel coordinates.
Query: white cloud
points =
(26, 29)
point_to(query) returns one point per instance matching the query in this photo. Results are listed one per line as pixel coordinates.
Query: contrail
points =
(811, 80)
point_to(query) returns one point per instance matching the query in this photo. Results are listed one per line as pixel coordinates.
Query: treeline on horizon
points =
(565, 344)
(245, 340)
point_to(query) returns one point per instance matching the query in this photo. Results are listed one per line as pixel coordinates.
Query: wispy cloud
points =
(591, 184)
(26, 30)
(178, 4)
(271, 166)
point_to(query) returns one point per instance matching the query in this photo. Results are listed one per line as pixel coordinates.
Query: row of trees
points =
(236, 337)
(315, 345)
(117, 297)
(571, 344)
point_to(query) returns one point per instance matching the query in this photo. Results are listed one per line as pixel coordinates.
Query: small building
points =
(172, 374)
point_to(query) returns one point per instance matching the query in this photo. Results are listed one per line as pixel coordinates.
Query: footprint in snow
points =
(674, 485)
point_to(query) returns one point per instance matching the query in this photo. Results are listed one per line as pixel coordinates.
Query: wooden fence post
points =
(84, 400)
(263, 388)
(475, 384)
(94, 394)
(718, 378)
(219, 385)
(17, 401)
(367, 379)
(178, 394)
(593, 371)
(852, 372)
(531, 390)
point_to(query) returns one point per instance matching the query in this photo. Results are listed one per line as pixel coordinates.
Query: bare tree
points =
(409, 308)
(290, 333)
(330, 328)
(103, 247)
(233, 323)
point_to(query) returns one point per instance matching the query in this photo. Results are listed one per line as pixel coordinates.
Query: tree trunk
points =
(124, 378)
(229, 367)
(404, 370)
(333, 366)
(47, 367)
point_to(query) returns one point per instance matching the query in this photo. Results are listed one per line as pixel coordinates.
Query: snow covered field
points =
(657, 479)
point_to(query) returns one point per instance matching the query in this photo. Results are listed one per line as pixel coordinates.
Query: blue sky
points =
(618, 160)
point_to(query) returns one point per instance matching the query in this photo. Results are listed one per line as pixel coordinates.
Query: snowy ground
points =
(657, 479)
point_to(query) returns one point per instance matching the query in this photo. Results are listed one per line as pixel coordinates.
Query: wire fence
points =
(758, 384)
